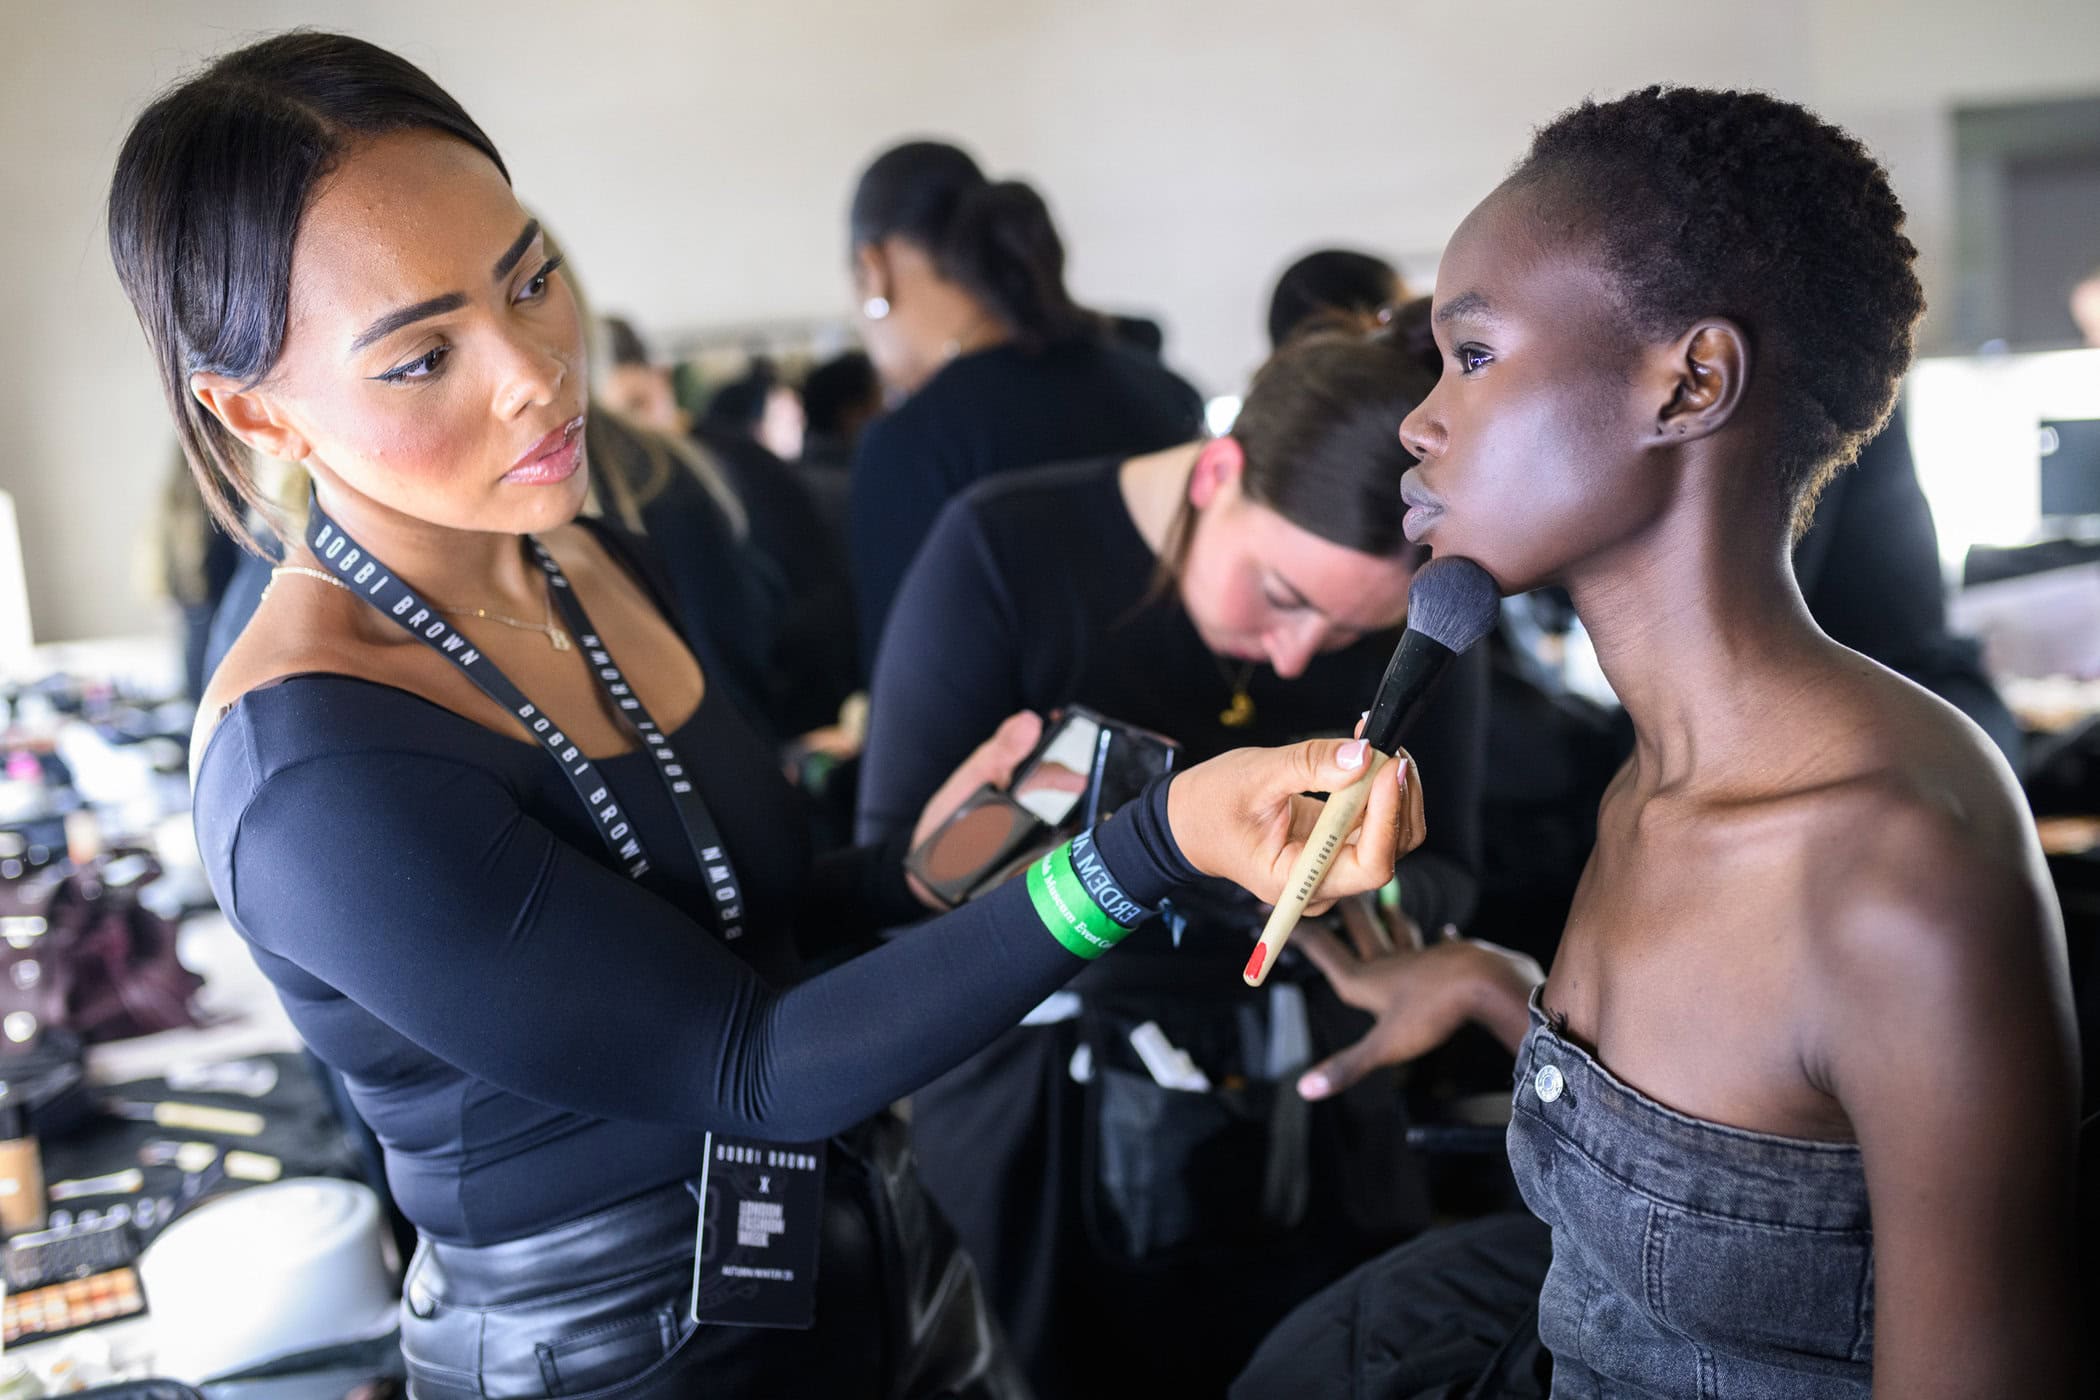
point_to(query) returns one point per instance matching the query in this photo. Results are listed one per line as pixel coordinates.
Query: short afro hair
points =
(1738, 204)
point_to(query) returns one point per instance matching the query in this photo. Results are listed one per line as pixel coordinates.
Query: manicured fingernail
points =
(1313, 1086)
(1352, 754)
(1364, 718)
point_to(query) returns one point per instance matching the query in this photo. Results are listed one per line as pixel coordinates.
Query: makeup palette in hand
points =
(1084, 767)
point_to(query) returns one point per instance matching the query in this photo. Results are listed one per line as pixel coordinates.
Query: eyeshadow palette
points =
(67, 1307)
(1084, 766)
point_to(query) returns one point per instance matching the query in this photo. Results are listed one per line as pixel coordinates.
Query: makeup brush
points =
(1450, 606)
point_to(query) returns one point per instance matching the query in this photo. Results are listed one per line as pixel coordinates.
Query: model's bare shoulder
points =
(1937, 1015)
(1900, 726)
(1929, 896)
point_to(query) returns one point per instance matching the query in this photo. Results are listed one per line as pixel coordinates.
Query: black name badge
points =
(761, 1222)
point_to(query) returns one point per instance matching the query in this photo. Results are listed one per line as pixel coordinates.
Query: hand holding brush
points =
(1451, 606)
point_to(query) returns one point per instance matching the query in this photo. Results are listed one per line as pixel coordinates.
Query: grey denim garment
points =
(1689, 1258)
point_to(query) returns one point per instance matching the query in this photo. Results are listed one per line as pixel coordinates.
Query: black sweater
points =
(991, 412)
(1026, 597)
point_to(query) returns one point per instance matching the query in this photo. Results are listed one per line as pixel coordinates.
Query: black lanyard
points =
(375, 582)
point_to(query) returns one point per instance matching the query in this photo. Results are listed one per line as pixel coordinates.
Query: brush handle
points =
(1337, 819)
(202, 1118)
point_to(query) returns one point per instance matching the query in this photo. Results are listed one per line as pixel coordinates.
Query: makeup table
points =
(243, 1021)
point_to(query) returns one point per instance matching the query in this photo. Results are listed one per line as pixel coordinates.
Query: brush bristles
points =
(1453, 601)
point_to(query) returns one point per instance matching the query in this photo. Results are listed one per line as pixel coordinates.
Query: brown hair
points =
(1320, 434)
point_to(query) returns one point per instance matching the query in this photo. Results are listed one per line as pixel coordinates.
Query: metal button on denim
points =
(1547, 1083)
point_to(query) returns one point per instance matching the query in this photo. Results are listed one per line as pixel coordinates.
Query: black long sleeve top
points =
(532, 1035)
(1027, 596)
(995, 411)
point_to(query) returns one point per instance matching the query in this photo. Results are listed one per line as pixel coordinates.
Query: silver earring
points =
(875, 308)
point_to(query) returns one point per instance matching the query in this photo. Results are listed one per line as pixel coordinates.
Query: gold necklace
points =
(1240, 713)
(556, 638)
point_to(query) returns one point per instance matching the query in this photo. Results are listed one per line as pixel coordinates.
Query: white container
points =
(265, 1273)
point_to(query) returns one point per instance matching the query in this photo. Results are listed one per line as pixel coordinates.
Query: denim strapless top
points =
(1689, 1258)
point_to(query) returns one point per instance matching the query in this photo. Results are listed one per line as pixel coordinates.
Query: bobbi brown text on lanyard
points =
(372, 580)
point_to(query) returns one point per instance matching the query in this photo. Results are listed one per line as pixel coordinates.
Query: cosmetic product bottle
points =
(21, 1170)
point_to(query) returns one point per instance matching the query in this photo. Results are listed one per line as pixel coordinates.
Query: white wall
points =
(695, 156)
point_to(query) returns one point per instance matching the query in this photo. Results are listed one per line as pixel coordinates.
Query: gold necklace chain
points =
(556, 637)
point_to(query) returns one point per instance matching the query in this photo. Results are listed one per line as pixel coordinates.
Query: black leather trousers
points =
(597, 1307)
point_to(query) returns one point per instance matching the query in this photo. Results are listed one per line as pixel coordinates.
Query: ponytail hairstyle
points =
(1331, 289)
(204, 210)
(1320, 437)
(993, 238)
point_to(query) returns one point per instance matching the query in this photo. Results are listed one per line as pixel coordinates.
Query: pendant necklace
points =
(1240, 713)
(556, 637)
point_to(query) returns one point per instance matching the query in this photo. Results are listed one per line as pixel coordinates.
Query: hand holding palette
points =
(1085, 767)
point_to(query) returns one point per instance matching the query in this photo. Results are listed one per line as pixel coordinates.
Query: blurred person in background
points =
(840, 398)
(632, 383)
(964, 311)
(762, 406)
(814, 659)
(1333, 289)
(1141, 333)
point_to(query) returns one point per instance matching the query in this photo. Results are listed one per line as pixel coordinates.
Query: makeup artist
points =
(551, 945)
(1247, 588)
(961, 286)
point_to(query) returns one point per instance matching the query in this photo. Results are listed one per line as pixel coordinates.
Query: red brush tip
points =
(1254, 962)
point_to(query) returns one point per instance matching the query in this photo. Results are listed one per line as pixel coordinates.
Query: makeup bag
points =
(78, 952)
(1169, 1169)
(1171, 1174)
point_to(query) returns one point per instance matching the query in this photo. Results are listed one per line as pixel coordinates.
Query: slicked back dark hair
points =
(1320, 433)
(205, 207)
(1738, 204)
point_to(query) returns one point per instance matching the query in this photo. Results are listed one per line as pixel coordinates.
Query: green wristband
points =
(1068, 910)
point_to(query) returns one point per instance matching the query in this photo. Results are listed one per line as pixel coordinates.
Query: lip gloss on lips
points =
(553, 459)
